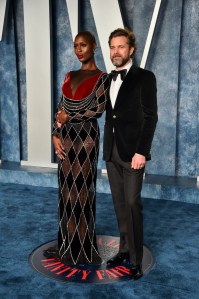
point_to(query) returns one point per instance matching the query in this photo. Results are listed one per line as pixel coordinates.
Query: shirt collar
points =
(128, 66)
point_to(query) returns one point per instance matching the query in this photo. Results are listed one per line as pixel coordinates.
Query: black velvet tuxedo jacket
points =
(134, 116)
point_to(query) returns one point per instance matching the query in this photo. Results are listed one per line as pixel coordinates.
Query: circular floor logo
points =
(107, 245)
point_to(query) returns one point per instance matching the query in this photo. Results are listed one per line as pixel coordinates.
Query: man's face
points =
(120, 51)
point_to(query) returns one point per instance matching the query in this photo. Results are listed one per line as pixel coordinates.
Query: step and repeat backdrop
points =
(36, 52)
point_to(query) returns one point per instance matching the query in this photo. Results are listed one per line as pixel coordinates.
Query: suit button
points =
(114, 116)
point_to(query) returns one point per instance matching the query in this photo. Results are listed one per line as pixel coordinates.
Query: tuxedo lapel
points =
(130, 80)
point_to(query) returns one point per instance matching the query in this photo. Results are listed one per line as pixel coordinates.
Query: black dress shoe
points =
(118, 258)
(136, 271)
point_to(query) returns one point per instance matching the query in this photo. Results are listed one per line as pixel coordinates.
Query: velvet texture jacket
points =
(133, 119)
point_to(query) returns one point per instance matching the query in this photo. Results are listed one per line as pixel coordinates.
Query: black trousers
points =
(126, 185)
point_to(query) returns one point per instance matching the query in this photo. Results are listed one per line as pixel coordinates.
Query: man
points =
(130, 123)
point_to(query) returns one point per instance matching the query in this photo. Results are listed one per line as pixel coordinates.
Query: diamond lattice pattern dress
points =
(77, 171)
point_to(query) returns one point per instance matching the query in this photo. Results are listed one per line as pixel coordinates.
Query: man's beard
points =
(120, 62)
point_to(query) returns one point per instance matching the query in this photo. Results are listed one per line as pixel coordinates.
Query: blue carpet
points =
(29, 219)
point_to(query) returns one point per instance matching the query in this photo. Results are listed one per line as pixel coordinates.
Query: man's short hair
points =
(128, 34)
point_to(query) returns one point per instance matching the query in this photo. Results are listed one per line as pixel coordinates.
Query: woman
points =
(76, 143)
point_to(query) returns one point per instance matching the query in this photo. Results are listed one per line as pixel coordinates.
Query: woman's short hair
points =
(88, 35)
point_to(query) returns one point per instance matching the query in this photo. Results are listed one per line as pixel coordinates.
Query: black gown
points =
(77, 171)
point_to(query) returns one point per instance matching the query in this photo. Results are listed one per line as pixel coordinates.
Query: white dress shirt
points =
(115, 85)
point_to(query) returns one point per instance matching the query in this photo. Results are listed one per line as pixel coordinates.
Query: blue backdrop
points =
(173, 57)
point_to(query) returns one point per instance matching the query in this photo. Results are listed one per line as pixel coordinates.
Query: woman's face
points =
(83, 48)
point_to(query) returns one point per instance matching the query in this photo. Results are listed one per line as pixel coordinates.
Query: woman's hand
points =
(59, 148)
(61, 117)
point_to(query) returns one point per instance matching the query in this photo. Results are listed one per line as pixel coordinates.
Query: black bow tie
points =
(122, 74)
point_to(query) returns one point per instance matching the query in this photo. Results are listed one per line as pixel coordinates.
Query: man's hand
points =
(138, 161)
(59, 148)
